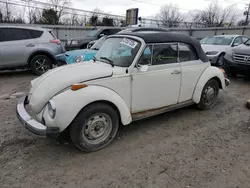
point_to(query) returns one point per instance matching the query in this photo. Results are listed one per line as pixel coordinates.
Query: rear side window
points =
(114, 31)
(187, 53)
(35, 33)
(13, 34)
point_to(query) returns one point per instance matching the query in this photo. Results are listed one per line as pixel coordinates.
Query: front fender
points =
(69, 103)
(209, 73)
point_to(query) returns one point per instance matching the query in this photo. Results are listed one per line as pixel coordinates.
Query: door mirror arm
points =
(143, 68)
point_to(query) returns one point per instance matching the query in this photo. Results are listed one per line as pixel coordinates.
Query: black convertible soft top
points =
(166, 37)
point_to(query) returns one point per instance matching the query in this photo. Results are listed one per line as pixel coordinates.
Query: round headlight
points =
(52, 109)
(79, 59)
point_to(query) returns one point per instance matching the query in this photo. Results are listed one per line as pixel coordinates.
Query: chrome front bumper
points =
(31, 124)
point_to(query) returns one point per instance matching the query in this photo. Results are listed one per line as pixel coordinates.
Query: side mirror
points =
(143, 68)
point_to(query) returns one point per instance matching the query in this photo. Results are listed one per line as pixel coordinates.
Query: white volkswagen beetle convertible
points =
(133, 76)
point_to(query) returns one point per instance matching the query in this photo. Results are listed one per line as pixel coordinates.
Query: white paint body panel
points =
(69, 103)
(60, 78)
(155, 88)
(209, 73)
(190, 74)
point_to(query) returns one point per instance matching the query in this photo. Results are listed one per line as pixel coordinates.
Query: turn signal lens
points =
(76, 87)
(222, 70)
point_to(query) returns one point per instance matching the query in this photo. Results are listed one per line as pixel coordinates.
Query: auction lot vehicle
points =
(237, 60)
(116, 89)
(82, 42)
(28, 47)
(78, 56)
(216, 47)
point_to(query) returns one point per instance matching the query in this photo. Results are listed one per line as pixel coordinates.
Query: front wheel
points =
(220, 61)
(94, 127)
(209, 95)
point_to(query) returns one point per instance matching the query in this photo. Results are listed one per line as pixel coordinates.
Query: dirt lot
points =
(180, 149)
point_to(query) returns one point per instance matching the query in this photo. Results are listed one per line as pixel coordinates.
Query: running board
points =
(157, 111)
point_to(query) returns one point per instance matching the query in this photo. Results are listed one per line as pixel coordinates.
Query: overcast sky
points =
(119, 7)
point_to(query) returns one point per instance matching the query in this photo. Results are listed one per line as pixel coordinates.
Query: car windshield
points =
(93, 33)
(98, 43)
(222, 40)
(118, 51)
(202, 41)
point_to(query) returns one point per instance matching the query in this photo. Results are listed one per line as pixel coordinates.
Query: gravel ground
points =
(180, 149)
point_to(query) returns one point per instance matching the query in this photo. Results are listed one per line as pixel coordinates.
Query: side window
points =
(114, 31)
(244, 39)
(35, 34)
(164, 54)
(187, 53)
(146, 56)
(237, 41)
(12, 34)
(1, 35)
(106, 32)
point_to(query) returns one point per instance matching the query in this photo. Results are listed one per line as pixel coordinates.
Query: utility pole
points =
(248, 11)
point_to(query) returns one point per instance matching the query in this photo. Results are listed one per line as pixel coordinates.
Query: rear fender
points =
(209, 73)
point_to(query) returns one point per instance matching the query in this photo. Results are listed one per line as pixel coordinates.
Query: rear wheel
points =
(94, 127)
(40, 64)
(209, 95)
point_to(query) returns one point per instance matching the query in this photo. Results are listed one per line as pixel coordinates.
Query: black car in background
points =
(82, 42)
(237, 60)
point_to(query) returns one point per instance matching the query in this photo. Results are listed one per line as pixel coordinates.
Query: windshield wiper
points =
(94, 58)
(94, 49)
(107, 59)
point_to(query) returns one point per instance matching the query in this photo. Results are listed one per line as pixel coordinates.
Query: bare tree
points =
(59, 6)
(169, 16)
(216, 16)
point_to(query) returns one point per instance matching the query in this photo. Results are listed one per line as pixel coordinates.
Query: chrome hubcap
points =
(97, 128)
(209, 94)
(41, 65)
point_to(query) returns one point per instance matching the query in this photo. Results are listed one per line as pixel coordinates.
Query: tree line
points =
(169, 16)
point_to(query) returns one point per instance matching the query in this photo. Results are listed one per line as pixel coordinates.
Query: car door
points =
(191, 69)
(159, 86)
(16, 46)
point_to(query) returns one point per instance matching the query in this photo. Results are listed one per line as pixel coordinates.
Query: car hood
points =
(218, 48)
(49, 84)
(242, 49)
(80, 52)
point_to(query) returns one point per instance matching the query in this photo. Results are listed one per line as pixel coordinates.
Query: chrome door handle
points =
(176, 72)
(30, 45)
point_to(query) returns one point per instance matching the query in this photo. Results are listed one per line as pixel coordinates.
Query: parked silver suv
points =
(25, 47)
